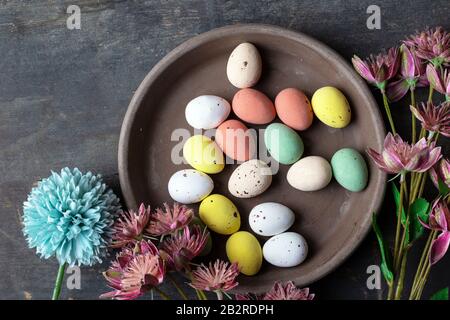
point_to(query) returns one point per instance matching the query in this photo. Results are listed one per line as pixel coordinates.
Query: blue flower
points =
(70, 216)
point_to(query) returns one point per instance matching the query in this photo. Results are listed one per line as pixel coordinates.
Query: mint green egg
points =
(350, 169)
(283, 143)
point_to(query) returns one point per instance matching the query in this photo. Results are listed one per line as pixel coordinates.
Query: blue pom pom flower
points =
(70, 216)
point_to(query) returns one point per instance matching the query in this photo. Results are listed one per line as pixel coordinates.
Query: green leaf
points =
(418, 210)
(440, 295)
(443, 188)
(385, 259)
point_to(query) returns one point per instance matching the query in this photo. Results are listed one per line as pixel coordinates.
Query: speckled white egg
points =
(270, 218)
(207, 111)
(189, 186)
(285, 250)
(244, 66)
(250, 179)
(310, 174)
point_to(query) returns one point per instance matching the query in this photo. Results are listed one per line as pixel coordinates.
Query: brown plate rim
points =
(126, 186)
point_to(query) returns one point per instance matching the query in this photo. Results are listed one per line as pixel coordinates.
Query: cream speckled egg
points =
(250, 179)
(310, 174)
(244, 66)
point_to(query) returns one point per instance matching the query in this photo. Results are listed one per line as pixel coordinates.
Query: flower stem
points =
(219, 295)
(178, 287)
(430, 94)
(399, 216)
(413, 117)
(388, 112)
(163, 295)
(401, 279)
(58, 282)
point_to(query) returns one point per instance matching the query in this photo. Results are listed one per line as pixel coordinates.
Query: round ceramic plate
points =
(333, 220)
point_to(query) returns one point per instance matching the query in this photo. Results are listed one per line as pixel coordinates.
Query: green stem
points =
(430, 94)
(164, 295)
(422, 260)
(388, 112)
(58, 282)
(391, 291)
(413, 117)
(178, 287)
(401, 279)
(399, 216)
(219, 295)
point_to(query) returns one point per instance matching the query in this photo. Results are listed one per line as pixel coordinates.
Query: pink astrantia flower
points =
(441, 171)
(432, 45)
(130, 226)
(134, 272)
(398, 156)
(182, 247)
(434, 118)
(439, 220)
(219, 276)
(377, 70)
(170, 219)
(412, 75)
(439, 80)
(280, 292)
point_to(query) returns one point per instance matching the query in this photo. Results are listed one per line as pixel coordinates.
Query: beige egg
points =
(310, 174)
(244, 66)
(250, 179)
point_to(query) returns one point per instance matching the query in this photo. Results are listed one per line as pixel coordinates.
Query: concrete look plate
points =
(333, 220)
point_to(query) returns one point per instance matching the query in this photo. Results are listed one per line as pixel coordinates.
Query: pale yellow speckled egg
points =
(220, 214)
(244, 249)
(331, 107)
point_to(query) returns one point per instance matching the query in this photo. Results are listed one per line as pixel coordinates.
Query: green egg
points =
(350, 169)
(208, 247)
(283, 143)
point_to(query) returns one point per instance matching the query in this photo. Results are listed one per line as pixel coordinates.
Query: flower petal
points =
(408, 66)
(363, 69)
(439, 247)
(397, 90)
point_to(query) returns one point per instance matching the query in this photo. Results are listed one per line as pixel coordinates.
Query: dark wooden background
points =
(63, 95)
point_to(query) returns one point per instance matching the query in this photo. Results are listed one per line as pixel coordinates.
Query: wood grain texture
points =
(63, 94)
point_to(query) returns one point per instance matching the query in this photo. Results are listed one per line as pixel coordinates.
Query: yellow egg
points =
(331, 107)
(244, 249)
(203, 154)
(220, 214)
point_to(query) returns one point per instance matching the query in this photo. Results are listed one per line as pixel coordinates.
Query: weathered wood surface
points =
(63, 94)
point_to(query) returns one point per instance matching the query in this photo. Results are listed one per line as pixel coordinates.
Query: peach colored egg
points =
(294, 109)
(235, 140)
(253, 106)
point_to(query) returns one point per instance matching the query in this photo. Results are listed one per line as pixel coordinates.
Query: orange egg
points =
(294, 109)
(253, 106)
(233, 137)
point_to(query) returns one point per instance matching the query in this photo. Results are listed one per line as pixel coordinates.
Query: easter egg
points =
(294, 109)
(203, 154)
(350, 169)
(207, 112)
(189, 186)
(220, 214)
(310, 174)
(250, 179)
(208, 246)
(285, 250)
(244, 66)
(235, 140)
(270, 218)
(283, 143)
(253, 106)
(244, 249)
(331, 107)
